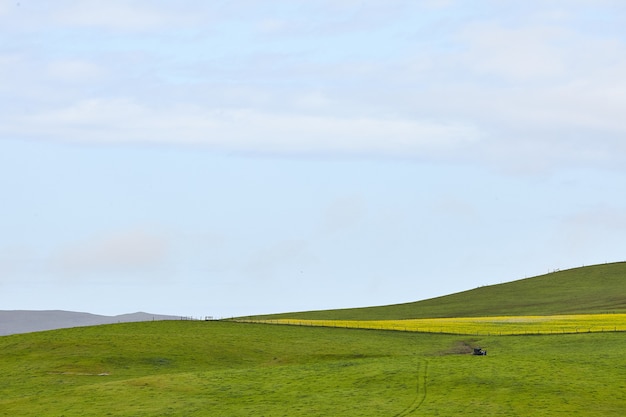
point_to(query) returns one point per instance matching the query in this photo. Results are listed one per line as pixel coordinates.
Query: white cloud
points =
(112, 14)
(116, 16)
(313, 100)
(245, 130)
(504, 89)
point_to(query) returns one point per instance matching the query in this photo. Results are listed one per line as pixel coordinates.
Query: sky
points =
(229, 158)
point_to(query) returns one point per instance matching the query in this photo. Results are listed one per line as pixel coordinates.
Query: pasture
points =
(485, 326)
(555, 346)
(185, 368)
(596, 289)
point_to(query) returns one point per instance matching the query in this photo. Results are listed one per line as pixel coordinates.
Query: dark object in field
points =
(479, 352)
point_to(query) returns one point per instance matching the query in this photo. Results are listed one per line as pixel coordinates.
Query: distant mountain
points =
(26, 321)
(586, 290)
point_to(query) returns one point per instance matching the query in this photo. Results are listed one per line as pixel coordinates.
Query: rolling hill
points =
(216, 368)
(586, 290)
(208, 368)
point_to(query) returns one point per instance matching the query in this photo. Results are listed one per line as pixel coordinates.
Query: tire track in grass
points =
(420, 390)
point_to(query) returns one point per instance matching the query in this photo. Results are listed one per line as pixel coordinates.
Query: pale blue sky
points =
(232, 158)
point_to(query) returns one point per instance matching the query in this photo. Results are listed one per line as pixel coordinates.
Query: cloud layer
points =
(248, 157)
(412, 79)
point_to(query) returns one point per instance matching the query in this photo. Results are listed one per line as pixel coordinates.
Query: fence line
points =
(439, 330)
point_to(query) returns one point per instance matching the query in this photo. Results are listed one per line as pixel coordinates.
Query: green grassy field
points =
(186, 368)
(194, 368)
(594, 289)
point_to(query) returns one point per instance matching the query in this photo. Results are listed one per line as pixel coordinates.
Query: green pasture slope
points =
(221, 368)
(187, 368)
(593, 289)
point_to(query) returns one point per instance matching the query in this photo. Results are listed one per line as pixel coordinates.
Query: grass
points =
(597, 289)
(193, 368)
(502, 325)
(185, 368)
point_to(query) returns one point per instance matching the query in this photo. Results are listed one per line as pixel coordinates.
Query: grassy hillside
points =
(588, 290)
(185, 368)
(194, 368)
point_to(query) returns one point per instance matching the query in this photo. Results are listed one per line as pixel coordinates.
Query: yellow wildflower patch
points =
(501, 325)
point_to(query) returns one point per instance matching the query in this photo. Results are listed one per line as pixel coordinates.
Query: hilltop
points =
(586, 290)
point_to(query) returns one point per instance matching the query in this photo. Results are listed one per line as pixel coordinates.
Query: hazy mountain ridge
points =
(26, 321)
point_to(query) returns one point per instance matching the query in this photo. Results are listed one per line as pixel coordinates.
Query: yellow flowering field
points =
(503, 325)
